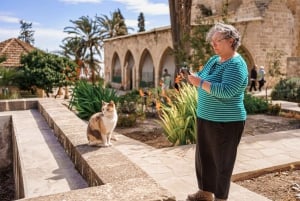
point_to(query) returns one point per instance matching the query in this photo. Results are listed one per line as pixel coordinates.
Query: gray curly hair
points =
(228, 31)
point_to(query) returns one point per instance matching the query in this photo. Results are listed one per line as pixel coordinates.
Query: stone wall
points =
(293, 67)
(266, 27)
(157, 43)
(270, 33)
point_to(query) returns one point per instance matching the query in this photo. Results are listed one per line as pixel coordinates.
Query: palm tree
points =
(73, 48)
(88, 37)
(113, 26)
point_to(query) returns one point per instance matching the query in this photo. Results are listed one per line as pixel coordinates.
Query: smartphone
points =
(185, 71)
(188, 71)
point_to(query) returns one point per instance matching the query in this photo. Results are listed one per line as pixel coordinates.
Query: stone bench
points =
(110, 174)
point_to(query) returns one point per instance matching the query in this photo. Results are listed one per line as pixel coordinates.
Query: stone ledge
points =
(99, 166)
(18, 104)
(138, 189)
(263, 171)
(111, 174)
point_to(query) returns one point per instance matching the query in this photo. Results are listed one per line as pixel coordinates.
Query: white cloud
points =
(134, 24)
(146, 7)
(45, 39)
(8, 33)
(81, 1)
(131, 23)
(48, 39)
(9, 19)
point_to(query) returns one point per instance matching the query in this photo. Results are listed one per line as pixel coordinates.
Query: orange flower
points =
(141, 92)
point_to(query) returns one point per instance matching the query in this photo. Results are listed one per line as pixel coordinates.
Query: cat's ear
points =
(112, 102)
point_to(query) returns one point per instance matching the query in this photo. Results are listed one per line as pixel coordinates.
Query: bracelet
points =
(201, 83)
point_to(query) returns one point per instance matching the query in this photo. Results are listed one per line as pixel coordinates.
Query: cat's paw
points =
(93, 144)
(110, 144)
(114, 138)
(103, 145)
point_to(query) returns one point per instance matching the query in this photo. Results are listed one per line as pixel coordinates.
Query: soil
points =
(277, 186)
(7, 191)
(149, 131)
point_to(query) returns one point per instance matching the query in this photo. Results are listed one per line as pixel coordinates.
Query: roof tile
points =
(12, 49)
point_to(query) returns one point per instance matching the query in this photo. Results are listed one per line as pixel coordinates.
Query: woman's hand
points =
(194, 80)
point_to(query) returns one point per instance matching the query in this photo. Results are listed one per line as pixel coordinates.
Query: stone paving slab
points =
(267, 152)
(46, 168)
(288, 106)
(120, 191)
(173, 167)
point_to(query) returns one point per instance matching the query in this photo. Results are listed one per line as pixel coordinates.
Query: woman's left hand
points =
(194, 80)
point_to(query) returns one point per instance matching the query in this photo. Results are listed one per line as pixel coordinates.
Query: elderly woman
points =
(221, 113)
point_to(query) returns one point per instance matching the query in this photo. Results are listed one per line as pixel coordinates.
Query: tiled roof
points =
(12, 49)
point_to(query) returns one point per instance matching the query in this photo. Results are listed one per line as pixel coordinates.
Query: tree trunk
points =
(66, 92)
(180, 15)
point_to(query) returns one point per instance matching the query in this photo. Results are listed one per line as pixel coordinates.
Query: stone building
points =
(266, 27)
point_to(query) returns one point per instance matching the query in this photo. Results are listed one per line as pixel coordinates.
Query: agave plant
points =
(178, 117)
(87, 98)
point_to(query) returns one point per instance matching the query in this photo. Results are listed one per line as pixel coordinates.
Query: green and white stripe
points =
(228, 81)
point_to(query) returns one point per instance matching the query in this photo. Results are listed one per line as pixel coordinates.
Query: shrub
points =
(274, 109)
(132, 96)
(287, 89)
(126, 120)
(178, 118)
(255, 105)
(87, 98)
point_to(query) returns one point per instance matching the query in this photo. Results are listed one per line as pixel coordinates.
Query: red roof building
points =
(12, 49)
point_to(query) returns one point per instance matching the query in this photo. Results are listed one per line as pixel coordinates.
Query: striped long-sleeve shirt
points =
(228, 81)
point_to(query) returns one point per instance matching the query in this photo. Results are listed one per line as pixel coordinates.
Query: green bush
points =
(274, 109)
(178, 119)
(132, 96)
(45, 71)
(126, 120)
(255, 105)
(87, 98)
(287, 89)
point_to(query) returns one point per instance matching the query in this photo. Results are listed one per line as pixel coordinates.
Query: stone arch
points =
(128, 71)
(247, 57)
(167, 61)
(146, 70)
(116, 70)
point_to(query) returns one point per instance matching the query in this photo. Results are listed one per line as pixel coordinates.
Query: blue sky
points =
(49, 17)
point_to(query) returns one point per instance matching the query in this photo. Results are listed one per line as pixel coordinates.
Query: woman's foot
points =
(200, 196)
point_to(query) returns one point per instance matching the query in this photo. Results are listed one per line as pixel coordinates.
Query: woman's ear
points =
(233, 42)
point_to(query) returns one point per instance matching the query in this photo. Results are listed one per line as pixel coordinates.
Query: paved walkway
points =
(46, 167)
(173, 168)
